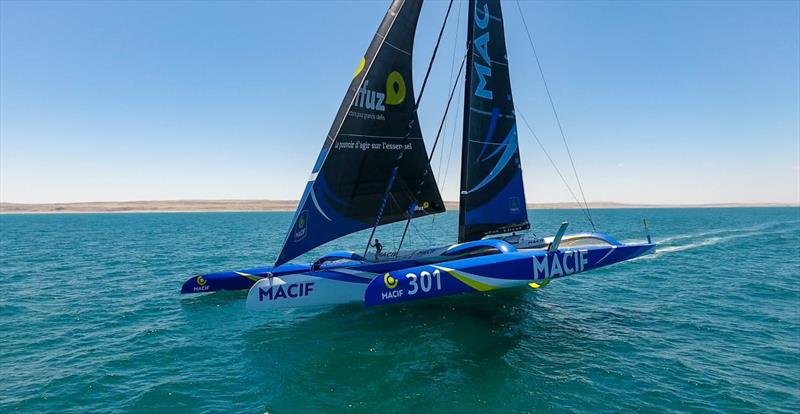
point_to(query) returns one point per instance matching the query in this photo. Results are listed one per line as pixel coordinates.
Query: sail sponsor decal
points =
(370, 99)
(481, 45)
(372, 146)
(301, 228)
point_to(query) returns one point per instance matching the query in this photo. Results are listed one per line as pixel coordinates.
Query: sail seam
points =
(495, 18)
(476, 110)
(488, 143)
(396, 48)
(378, 136)
(497, 62)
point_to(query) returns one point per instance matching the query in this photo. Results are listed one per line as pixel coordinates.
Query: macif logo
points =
(389, 281)
(377, 101)
(481, 46)
(294, 290)
(301, 227)
(202, 284)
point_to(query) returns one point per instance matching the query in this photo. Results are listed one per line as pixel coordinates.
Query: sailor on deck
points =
(378, 247)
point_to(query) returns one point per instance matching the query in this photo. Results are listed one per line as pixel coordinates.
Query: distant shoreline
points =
(194, 206)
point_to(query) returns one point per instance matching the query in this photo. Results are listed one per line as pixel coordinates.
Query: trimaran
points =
(374, 169)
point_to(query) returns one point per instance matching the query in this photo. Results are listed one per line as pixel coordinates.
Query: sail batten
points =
(492, 199)
(376, 122)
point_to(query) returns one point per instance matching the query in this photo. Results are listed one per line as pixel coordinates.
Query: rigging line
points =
(555, 114)
(450, 80)
(452, 144)
(433, 56)
(379, 214)
(442, 179)
(447, 108)
(421, 233)
(450, 152)
(433, 149)
(566, 184)
(408, 222)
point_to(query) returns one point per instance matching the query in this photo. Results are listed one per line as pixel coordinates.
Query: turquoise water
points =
(91, 320)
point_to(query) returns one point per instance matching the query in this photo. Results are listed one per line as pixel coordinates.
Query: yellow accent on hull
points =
(479, 286)
(251, 277)
(535, 285)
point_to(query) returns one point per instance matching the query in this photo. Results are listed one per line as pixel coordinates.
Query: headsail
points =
(492, 194)
(375, 123)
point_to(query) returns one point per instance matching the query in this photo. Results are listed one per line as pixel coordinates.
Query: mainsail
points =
(376, 123)
(492, 194)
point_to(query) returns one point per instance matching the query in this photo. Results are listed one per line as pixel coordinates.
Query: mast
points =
(462, 202)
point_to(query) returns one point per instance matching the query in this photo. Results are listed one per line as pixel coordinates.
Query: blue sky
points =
(662, 102)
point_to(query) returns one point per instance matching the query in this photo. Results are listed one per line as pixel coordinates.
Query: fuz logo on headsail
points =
(374, 100)
(551, 265)
(293, 290)
(481, 45)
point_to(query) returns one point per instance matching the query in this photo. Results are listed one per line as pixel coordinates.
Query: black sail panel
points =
(492, 196)
(376, 122)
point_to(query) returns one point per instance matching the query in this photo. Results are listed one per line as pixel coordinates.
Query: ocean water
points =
(91, 321)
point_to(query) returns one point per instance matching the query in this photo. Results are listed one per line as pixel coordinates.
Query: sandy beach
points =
(281, 205)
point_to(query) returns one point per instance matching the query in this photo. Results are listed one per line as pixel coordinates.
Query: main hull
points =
(408, 280)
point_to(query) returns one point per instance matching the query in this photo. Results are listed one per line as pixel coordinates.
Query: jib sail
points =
(492, 194)
(375, 124)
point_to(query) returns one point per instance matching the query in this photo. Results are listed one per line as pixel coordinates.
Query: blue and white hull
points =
(478, 266)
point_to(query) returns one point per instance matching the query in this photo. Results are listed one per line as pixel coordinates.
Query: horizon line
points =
(231, 205)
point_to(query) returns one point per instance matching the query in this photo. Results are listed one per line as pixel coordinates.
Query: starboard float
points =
(374, 169)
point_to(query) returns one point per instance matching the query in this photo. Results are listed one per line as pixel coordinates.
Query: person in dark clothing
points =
(378, 246)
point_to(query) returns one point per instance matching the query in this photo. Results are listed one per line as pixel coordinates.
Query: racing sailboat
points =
(374, 169)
